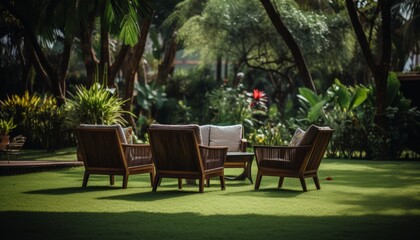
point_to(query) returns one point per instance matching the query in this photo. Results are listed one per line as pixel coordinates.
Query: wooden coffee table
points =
(240, 160)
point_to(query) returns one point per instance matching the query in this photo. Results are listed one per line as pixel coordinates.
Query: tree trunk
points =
(166, 66)
(379, 69)
(86, 45)
(104, 62)
(133, 65)
(116, 66)
(54, 79)
(219, 69)
(290, 42)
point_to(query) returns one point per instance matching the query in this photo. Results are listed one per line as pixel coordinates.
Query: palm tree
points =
(50, 21)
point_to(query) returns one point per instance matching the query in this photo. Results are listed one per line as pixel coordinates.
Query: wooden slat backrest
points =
(17, 143)
(318, 148)
(101, 148)
(175, 149)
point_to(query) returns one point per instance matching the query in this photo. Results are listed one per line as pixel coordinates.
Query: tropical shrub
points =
(39, 118)
(270, 134)
(47, 122)
(338, 108)
(94, 105)
(20, 109)
(229, 105)
(350, 111)
(6, 126)
(149, 101)
(403, 128)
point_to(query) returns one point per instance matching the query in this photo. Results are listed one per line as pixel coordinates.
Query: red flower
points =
(258, 94)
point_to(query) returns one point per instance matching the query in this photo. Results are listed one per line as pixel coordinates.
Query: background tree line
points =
(279, 45)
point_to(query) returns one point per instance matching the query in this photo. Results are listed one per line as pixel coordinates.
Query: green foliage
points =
(47, 123)
(95, 105)
(351, 111)
(38, 118)
(19, 108)
(269, 134)
(403, 119)
(151, 99)
(150, 95)
(230, 106)
(6, 126)
(186, 92)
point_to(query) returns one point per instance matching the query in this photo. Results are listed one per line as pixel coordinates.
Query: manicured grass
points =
(364, 200)
(64, 154)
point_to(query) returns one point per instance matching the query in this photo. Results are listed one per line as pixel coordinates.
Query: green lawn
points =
(64, 154)
(364, 200)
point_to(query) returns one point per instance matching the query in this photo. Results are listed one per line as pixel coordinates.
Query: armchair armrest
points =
(137, 154)
(243, 144)
(213, 156)
(290, 157)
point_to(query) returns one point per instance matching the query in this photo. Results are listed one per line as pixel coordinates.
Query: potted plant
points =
(5, 127)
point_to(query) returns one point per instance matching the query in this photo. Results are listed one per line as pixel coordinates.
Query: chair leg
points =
(201, 184)
(111, 180)
(85, 179)
(179, 183)
(208, 182)
(125, 180)
(152, 177)
(316, 180)
(258, 180)
(156, 182)
(222, 182)
(303, 183)
(281, 180)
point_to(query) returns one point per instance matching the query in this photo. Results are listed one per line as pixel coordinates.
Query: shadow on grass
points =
(146, 225)
(73, 190)
(31, 154)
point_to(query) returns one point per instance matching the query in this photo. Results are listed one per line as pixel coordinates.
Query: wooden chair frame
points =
(177, 154)
(296, 162)
(104, 154)
(14, 147)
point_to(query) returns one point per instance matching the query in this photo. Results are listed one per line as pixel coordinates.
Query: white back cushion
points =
(296, 137)
(229, 136)
(205, 134)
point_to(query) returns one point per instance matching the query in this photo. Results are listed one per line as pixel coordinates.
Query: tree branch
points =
(290, 42)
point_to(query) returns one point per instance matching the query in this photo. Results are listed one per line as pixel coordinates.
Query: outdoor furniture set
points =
(194, 152)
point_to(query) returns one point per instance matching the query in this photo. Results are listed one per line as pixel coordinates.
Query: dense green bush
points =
(39, 118)
(269, 134)
(350, 111)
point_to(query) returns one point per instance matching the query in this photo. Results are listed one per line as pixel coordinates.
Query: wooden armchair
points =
(105, 151)
(177, 153)
(14, 147)
(301, 161)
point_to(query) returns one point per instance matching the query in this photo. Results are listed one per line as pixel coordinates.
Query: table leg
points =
(245, 174)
